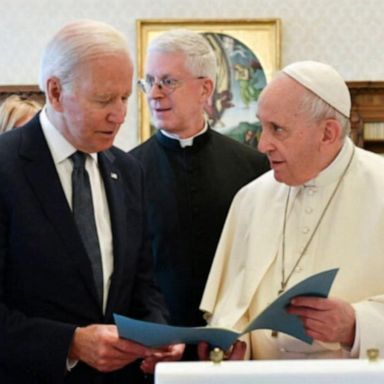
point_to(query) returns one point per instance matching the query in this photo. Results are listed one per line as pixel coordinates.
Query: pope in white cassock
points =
(320, 207)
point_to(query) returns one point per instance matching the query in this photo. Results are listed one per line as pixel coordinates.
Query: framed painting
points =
(28, 91)
(248, 54)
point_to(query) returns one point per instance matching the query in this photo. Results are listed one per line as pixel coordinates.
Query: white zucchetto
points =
(323, 81)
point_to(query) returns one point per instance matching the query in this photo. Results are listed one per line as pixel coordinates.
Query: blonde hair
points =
(15, 110)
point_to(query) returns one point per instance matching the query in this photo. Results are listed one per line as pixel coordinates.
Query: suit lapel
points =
(114, 189)
(41, 174)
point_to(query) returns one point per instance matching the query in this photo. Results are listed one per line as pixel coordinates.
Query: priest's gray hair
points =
(76, 43)
(200, 58)
(317, 109)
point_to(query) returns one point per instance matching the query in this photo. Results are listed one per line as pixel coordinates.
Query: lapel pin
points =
(114, 175)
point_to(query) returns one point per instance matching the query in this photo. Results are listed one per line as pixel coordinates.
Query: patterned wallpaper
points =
(344, 33)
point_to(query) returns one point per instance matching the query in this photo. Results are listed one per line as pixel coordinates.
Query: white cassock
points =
(246, 273)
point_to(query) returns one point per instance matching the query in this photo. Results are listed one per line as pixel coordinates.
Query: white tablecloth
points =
(272, 372)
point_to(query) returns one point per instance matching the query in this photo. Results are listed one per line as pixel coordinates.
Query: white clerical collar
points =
(59, 146)
(333, 172)
(189, 140)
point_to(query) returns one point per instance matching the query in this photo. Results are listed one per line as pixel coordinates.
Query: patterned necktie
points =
(84, 216)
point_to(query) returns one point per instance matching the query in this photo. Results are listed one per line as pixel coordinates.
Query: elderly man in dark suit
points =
(73, 238)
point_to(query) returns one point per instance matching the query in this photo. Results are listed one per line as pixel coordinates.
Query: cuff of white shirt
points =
(355, 350)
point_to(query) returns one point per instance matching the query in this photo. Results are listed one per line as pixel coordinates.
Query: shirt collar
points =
(189, 140)
(59, 146)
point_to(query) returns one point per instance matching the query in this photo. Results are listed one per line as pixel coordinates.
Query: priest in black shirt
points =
(192, 172)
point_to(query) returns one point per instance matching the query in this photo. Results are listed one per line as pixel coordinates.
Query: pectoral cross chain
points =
(285, 277)
(283, 286)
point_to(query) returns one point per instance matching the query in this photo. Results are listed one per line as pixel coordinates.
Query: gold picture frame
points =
(259, 36)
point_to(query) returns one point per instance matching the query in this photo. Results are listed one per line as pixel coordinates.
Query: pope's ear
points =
(55, 93)
(332, 131)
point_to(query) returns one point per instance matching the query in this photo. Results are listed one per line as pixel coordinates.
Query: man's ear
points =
(207, 88)
(55, 93)
(332, 131)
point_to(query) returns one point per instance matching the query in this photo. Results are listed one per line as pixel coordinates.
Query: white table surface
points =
(351, 371)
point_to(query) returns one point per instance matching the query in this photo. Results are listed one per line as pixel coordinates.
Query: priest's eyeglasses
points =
(166, 85)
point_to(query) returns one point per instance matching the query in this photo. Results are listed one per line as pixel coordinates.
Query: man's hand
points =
(236, 352)
(168, 353)
(100, 347)
(328, 320)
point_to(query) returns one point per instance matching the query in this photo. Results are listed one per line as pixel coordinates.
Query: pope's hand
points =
(327, 320)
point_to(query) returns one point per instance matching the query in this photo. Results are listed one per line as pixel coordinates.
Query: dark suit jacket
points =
(46, 285)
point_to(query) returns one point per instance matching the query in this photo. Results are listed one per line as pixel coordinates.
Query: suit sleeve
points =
(30, 345)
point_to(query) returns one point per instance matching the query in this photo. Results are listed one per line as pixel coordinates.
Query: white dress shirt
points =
(61, 150)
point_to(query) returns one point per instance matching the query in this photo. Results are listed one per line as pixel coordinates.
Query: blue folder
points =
(274, 317)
